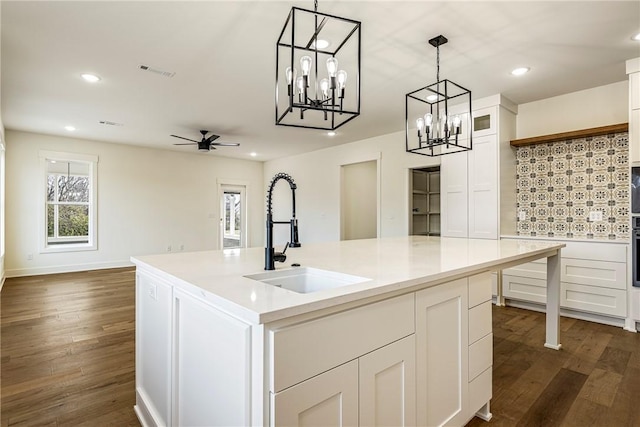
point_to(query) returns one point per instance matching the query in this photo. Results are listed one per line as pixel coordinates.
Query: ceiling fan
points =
(206, 143)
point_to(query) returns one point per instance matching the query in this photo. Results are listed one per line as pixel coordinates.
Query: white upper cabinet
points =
(633, 70)
(478, 186)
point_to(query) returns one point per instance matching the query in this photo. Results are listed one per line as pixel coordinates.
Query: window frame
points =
(92, 163)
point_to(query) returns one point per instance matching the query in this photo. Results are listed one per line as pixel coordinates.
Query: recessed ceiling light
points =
(70, 128)
(322, 44)
(520, 71)
(636, 37)
(253, 154)
(331, 133)
(91, 78)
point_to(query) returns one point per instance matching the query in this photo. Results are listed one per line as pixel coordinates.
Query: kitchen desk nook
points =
(389, 331)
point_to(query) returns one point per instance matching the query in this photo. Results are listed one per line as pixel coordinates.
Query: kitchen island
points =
(401, 335)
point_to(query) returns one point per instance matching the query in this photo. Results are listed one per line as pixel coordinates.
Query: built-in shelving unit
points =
(583, 133)
(425, 201)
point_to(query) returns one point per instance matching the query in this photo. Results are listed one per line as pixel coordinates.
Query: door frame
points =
(368, 157)
(243, 187)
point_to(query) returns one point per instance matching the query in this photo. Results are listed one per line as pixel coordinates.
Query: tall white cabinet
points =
(633, 70)
(478, 186)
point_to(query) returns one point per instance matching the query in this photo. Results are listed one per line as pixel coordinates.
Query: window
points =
(69, 220)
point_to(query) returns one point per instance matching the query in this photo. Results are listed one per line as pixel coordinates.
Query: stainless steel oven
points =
(635, 191)
(635, 222)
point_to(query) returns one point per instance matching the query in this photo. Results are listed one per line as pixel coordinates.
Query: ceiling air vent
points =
(156, 71)
(108, 123)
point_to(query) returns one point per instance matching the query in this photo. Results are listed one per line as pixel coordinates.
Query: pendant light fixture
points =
(438, 116)
(317, 70)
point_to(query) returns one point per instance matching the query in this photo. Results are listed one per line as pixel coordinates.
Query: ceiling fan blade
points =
(182, 137)
(212, 138)
(226, 144)
(187, 143)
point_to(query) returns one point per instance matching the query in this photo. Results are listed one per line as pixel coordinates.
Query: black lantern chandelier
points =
(438, 116)
(313, 87)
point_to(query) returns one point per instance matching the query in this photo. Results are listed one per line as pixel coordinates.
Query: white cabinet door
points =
(483, 188)
(329, 399)
(153, 349)
(388, 385)
(442, 354)
(453, 195)
(211, 367)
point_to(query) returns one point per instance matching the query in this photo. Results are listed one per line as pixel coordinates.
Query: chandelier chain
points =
(315, 5)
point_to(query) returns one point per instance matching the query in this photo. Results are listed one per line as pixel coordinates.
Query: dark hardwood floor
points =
(67, 359)
(67, 349)
(593, 381)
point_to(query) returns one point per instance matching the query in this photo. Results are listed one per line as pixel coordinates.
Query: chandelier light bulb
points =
(324, 87)
(342, 78)
(300, 84)
(291, 75)
(457, 125)
(420, 126)
(332, 66)
(305, 64)
(428, 120)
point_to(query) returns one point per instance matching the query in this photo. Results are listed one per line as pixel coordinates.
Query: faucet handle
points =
(280, 256)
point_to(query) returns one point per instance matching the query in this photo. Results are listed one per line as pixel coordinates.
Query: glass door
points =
(232, 217)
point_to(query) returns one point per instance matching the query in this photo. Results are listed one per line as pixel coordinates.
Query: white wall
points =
(317, 175)
(598, 106)
(2, 181)
(147, 199)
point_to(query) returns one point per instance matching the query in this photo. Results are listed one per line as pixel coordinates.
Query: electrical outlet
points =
(29, 257)
(169, 248)
(522, 215)
(595, 216)
(181, 248)
(153, 292)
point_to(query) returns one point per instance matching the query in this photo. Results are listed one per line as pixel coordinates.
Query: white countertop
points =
(392, 264)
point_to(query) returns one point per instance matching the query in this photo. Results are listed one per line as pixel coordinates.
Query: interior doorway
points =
(424, 209)
(233, 233)
(359, 201)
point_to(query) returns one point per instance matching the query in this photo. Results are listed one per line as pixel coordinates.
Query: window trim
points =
(92, 161)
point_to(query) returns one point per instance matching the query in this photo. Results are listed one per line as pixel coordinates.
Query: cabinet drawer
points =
(480, 391)
(307, 349)
(525, 288)
(594, 299)
(594, 273)
(479, 289)
(480, 356)
(595, 251)
(479, 321)
(535, 270)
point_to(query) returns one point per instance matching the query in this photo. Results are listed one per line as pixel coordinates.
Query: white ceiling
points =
(223, 56)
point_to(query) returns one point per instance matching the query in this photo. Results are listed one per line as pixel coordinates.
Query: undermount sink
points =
(306, 279)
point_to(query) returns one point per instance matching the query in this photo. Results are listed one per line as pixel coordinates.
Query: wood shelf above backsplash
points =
(602, 130)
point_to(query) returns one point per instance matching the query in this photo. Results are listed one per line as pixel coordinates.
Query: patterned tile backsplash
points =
(560, 183)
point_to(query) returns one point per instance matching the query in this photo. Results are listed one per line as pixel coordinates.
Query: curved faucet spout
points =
(270, 255)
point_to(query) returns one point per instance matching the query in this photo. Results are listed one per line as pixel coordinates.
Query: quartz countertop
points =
(392, 265)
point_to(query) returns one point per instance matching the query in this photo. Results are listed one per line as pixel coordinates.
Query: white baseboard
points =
(36, 271)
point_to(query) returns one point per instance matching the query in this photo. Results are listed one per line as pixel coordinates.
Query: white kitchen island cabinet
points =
(407, 345)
